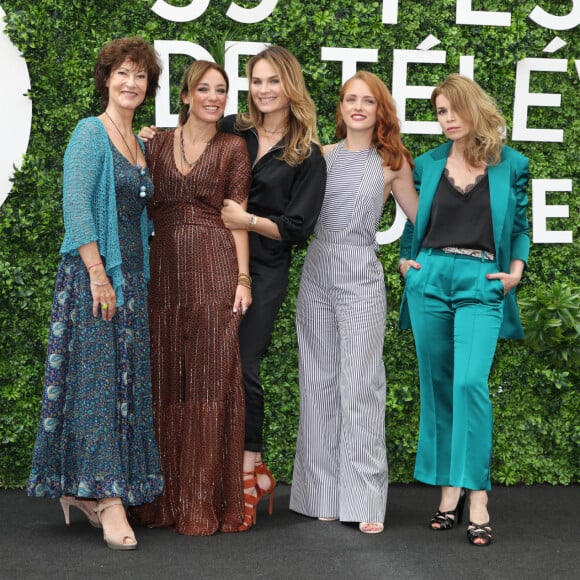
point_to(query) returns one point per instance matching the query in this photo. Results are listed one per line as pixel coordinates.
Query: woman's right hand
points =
(104, 298)
(404, 266)
(234, 216)
(148, 133)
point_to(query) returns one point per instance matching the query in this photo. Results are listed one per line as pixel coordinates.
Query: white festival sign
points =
(15, 110)
(17, 122)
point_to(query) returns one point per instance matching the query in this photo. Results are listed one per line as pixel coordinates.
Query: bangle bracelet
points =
(253, 221)
(100, 283)
(94, 265)
(245, 280)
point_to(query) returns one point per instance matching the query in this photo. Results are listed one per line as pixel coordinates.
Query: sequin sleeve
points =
(240, 174)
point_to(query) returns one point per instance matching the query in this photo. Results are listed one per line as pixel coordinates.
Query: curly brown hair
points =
(115, 53)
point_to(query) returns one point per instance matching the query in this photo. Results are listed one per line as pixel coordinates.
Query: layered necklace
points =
(271, 134)
(279, 131)
(268, 139)
(184, 160)
(134, 157)
(274, 136)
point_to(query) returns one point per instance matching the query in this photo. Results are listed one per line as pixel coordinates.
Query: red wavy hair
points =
(387, 132)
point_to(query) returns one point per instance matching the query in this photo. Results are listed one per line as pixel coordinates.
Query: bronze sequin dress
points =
(197, 383)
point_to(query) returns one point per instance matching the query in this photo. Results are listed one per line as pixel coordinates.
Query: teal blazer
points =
(507, 187)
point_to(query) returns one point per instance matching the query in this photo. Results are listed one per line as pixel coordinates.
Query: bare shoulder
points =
(402, 177)
(403, 171)
(326, 149)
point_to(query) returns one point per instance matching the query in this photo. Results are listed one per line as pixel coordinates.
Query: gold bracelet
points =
(245, 280)
(253, 221)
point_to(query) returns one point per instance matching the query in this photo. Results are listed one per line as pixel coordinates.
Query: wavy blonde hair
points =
(387, 131)
(473, 104)
(301, 131)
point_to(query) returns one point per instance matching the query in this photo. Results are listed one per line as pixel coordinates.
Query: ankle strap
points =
(103, 506)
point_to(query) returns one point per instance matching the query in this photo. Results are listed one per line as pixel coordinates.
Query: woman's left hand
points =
(243, 299)
(148, 133)
(234, 216)
(509, 281)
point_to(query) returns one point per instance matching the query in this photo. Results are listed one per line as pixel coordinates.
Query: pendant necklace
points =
(134, 158)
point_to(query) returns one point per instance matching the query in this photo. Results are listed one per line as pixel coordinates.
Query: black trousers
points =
(269, 287)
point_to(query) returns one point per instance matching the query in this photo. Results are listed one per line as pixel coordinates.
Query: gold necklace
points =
(134, 158)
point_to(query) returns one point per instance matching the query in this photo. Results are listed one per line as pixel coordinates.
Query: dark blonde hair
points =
(473, 104)
(387, 131)
(115, 53)
(191, 79)
(301, 130)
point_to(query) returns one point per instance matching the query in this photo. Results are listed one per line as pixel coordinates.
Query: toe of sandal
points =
(479, 535)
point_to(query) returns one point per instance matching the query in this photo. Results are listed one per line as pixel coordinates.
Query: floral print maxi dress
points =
(96, 435)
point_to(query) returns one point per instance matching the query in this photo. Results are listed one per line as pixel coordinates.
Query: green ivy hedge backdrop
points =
(534, 384)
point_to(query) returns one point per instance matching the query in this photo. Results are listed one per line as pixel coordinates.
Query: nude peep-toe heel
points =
(68, 501)
(119, 542)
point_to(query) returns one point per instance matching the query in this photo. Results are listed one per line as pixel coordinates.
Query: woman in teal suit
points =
(462, 262)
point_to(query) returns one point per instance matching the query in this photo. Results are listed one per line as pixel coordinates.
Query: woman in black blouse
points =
(288, 180)
(462, 262)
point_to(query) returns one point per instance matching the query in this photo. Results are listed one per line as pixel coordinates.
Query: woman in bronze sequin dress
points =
(199, 291)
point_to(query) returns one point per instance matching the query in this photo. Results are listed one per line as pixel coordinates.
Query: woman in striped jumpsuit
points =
(340, 471)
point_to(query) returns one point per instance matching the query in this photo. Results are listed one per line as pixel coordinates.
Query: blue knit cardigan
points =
(89, 201)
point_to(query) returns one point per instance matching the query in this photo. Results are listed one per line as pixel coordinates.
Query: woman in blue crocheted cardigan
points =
(96, 449)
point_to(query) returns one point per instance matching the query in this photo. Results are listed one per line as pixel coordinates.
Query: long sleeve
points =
(89, 200)
(520, 239)
(406, 245)
(306, 193)
(83, 166)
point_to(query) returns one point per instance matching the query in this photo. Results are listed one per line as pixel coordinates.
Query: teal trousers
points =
(456, 314)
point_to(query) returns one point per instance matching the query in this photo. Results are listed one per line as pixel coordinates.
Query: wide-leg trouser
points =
(341, 466)
(456, 314)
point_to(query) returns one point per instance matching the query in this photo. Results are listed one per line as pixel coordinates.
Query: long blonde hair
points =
(387, 132)
(472, 103)
(301, 131)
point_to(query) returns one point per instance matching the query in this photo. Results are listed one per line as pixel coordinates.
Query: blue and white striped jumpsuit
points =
(340, 469)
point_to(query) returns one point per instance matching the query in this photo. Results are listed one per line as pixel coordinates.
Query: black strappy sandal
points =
(479, 532)
(447, 520)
